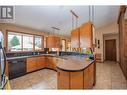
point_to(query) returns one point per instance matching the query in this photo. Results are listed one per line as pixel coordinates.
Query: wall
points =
(111, 28)
(5, 26)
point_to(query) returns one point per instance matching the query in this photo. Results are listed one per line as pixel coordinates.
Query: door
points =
(63, 45)
(110, 50)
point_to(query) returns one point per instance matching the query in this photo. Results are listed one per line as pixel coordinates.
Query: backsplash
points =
(61, 53)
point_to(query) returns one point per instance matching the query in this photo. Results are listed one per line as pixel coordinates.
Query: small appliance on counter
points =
(3, 77)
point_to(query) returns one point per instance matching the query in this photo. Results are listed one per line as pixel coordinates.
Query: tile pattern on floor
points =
(109, 76)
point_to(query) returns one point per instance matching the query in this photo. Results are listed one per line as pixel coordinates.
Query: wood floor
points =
(109, 76)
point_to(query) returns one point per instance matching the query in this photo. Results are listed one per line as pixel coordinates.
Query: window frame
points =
(22, 33)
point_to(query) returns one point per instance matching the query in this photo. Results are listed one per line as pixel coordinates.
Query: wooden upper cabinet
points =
(86, 35)
(53, 42)
(49, 42)
(57, 42)
(83, 37)
(31, 64)
(75, 38)
(41, 62)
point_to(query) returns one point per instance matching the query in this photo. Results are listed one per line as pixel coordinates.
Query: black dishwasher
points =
(17, 68)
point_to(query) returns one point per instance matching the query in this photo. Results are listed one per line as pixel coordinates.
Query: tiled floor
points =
(109, 76)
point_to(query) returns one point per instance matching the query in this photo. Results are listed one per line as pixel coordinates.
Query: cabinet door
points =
(49, 42)
(31, 64)
(75, 38)
(40, 62)
(56, 42)
(91, 75)
(86, 79)
(86, 35)
(63, 79)
(53, 42)
(76, 80)
(50, 63)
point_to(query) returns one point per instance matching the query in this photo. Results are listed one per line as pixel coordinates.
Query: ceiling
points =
(44, 17)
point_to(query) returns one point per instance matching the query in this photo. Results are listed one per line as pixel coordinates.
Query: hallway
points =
(110, 76)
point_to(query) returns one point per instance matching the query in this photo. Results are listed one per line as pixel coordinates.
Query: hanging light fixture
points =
(74, 22)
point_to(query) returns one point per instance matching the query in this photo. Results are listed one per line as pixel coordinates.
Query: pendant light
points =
(74, 19)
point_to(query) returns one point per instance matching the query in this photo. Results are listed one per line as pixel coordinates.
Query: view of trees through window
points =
(14, 42)
(38, 42)
(27, 42)
(23, 42)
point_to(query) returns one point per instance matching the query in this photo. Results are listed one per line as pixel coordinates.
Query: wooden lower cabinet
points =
(50, 62)
(36, 63)
(89, 77)
(41, 62)
(31, 64)
(86, 79)
(62, 79)
(76, 80)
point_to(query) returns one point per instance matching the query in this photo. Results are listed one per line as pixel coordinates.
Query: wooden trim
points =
(23, 33)
(122, 10)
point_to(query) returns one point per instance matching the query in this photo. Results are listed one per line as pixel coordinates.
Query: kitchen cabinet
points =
(83, 37)
(75, 38)
(86, 79)
(63, 79)
(50, 63)
(86, 35)
(76, 80)
(82, 79)
(41, 62)
(31, 64)
(122, 22)
(53, 42)
(91, 75)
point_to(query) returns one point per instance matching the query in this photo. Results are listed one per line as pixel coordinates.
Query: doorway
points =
(110, 50)
(63, 45)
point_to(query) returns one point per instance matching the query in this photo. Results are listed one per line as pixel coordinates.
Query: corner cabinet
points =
(53, 42)
(35, 63)
(83, 37)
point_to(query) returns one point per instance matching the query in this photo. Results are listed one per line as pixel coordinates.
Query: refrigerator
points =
(3, 80)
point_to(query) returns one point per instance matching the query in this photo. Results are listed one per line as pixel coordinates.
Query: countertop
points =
(21, 57)
(73, 63)
(65, 63)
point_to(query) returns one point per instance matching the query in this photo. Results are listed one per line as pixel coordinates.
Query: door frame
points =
(113, 36)
(115, 49)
